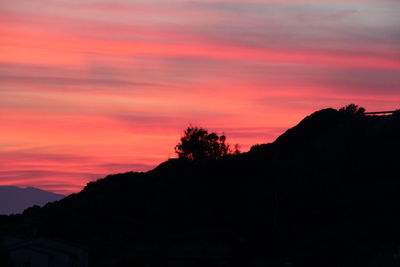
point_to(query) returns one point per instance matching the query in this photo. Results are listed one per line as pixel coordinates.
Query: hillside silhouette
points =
(325, 193)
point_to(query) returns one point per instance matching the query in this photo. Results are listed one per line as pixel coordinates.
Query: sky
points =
(90, 87)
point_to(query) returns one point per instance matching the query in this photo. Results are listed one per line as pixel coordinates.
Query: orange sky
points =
(89, 88)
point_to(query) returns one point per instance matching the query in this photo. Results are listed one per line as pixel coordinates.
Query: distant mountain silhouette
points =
(325, 193)
(15, 200)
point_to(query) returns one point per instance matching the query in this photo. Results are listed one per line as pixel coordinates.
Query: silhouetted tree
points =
(352, 109)
(236, 151)
(31, 210)
(198, 144)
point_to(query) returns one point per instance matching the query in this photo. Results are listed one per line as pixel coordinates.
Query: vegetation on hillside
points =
(198, 144)
(352, 109)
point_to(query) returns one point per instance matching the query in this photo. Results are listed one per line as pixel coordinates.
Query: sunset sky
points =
(89, 88)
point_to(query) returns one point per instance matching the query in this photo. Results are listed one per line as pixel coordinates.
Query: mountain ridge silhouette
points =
(14, 200)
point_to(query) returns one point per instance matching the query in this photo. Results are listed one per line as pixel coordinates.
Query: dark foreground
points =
(325, 193)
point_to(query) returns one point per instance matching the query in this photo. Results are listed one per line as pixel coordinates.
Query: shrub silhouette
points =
(352, 109)
(198, 144)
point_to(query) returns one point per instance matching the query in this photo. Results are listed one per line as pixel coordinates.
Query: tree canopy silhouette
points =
(198, 144)
(352, 109)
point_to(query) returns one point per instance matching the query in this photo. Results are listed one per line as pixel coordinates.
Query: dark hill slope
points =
(325, 193)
